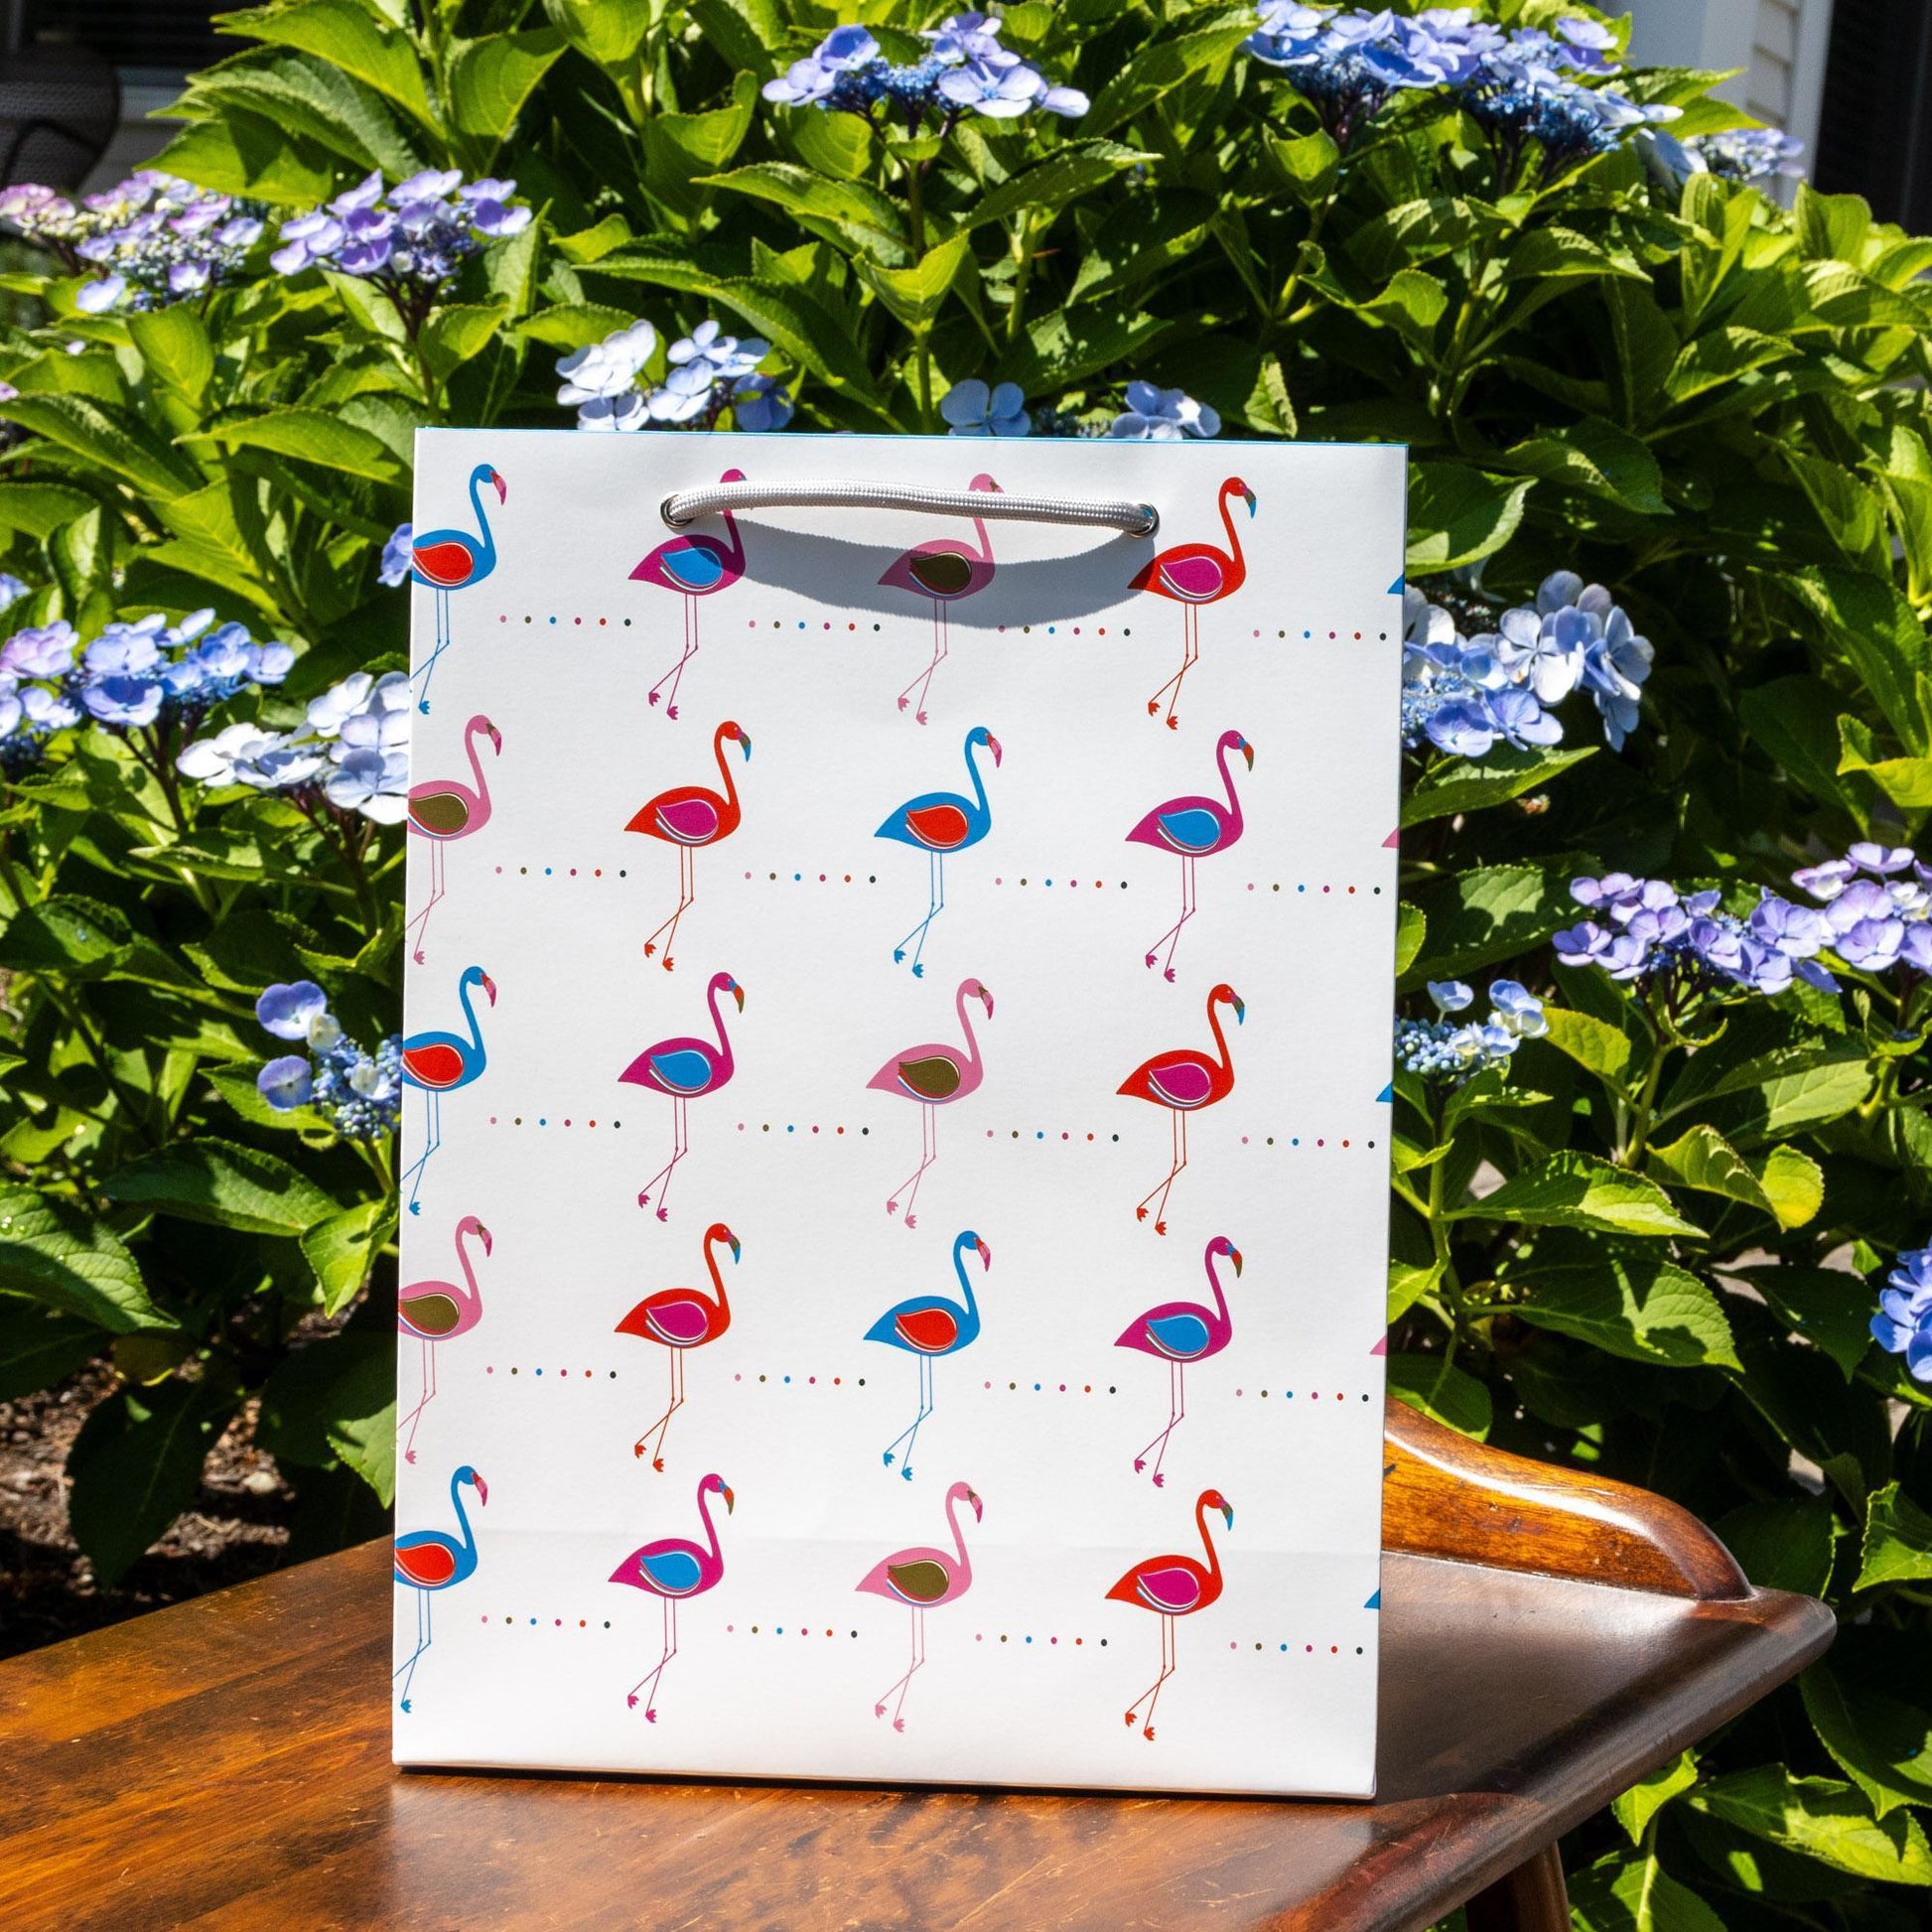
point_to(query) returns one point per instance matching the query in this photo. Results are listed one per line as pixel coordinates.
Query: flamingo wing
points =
(941, 573)
(444, 562)
(688, 821)
(1183, 1336)
(687, 564)
(933, 1078)
(430, 1316)
(425, 1566)
(686, 1072)
(931, 1329)
(437, 813)
(1191, 831)
(678, 1322)
(436, 1064)
(1182, 1083)
(1196, 579)
(940, 828)
(923, 1582)
(673, 1572)
(1172, 1589)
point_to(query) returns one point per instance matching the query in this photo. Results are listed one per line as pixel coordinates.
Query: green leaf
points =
(1443, 1393)
(313, 98)
(137, 1464)
(75, 938)
(851, 206)
(1648, 1796)
(1908, 782)
(1307, 164)
(1488, 914)
(594, 243)
(1597, 458)
(454, 334)
(1158, 69)
(218, 1181)
(1871, 627)
(1592, 1043)
(491, 78)
(574, 325)
(336, 1401)
(39, 1346)
(173, 344)
(1882, 1745)
(240, 153)
(347, 36)
(1720, 356)
(916, 295)
(1790, 1190)
(1411, 928)
(1410, 233)
(1782, 1543)
(1407, 1284)
(1063, 177)
(1636, 1894)
(1458, 786)
(343, 1248)
(1577, 1190)
(41, 508)
(313, 436)
(1820, 1819)
(108, 438)
(1459, 515)
(1897, 1540)
(1854, 516)
(1641, 1308)
(1830, 1306)
(612, 32)
(59, 1254)
(1791, 717)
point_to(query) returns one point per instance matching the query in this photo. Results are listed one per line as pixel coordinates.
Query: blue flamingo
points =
(936, 823)
(428, 1561)
(929, 1326)
(453, 560)
(439, 1063)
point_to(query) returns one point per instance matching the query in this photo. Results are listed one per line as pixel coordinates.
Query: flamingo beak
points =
(725, 1490)
(495, 738)
(1234, 1255)
(737, 994)
(979, 1509)
(503, 488)
(732, 1239)
(1248, 753)
(987, 996)
(483, 1489)
(1250, 495)
(488, 1240)
(986, 1254)
(993, 746)
(1227, 1510)
(745, 745)
(1240, 1010)
(490, 987)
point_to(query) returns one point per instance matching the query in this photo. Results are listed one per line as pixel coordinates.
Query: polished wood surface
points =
(224, 1763)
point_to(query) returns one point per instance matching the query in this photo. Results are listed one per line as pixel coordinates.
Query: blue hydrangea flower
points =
(398, 555)
(759, 404)
(1450, 996)
(1682, 948)
(289, 1011)
(409, 238)
(357, 1092)
(286, 1083)
(1156, 415)
(1748, 154)
(1903, 1323)
(1450, 1053)
(1517, 1010)
(1876, 907)
(970, 408)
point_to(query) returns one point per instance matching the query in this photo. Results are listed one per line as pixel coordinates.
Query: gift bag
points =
(896, 1127)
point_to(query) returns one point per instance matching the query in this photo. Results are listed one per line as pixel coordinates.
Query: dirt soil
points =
(236, 1527)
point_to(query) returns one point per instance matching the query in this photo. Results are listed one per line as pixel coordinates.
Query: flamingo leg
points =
(928, 1154)
(687, 890)
(442, 644)
(909, 1436)
(651, 1677)
(438, 890)
(1178, 1159)
(1152, 1695)
(902, 1684)
(679, 1147)
(936, 903)
(1177, 1411)
(661, 1427)
(1171, 689)
(675, 675)
(432, 1140)
(406, 1669)
(1171, 937)
(423, 1401)
(941, 644)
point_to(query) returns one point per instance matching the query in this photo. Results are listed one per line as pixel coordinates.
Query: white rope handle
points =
(1135, 519)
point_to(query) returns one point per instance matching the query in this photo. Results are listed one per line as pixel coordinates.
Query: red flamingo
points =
(1172, 1586)
(442, 809)
(1179, 1332)
(435, 1311)
(923, 1580)
(687, 817)
(454, 560)
(1193, 828)
(942, 569)
(934, 1075)
(694, 566)
(679, 1318)
(672, 1568)
(1194, 574)
(1184, 1081)
(684, 1068)
(427, 1561)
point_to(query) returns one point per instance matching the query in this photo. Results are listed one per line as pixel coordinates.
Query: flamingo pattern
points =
(683, 1069)
(938, 823)
(443, 810)
(1193, 828)
(679, 1318)
(440, 1063)
(1172, 1586)
(437, 1311)
(1179, 1332)
(1185, 1081)
(928, 1326)
(690, 816)
(942, 570)
(1194, 574)
(936, 1076)
(694, 565)
(454, 560)
(672, 1570)
(923, 1580)
(428, 1561)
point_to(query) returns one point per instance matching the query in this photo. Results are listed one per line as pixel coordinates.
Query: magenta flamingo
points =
(678, 1318)
(694, 566)
(923, 1580)
(1184, 1081)
(672, 1570)
(427, 1561)
(942, 570)
(683, 1069)
(1179, 1332)
(690, 816)
(454, 560)
(1172, 1586)
(936, 1076)
(442, 809)
(1193, 828)
(439, 1311)
(1194, 574)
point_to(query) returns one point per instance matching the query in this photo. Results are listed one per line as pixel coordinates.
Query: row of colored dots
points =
(1014, 1133)
(1025, 629)
(807, 1630)
(583, 1623)
(872, 879)
(597, 872)
(543, 1120)
(490, 1368)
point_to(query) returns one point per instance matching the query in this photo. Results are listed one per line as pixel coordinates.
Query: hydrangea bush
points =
(1661, 1165)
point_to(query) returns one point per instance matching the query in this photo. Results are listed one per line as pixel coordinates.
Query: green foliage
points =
(1650, 1249)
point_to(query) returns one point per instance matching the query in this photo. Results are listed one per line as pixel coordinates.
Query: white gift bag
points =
(898, 1034)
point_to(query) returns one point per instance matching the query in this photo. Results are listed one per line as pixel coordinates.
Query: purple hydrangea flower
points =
(398, 555)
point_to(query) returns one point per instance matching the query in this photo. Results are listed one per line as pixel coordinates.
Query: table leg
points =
(1531, 1898)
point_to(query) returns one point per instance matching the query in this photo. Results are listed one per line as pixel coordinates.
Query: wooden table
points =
(1547, 1639)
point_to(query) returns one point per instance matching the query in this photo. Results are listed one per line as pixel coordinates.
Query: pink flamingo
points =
(1172, 1586)
(671, 1569)
(684, 1068)
(942, 569)
(687, 817)
(454, 560)
(933, 1075)
(1183, 1080)
(679, 1318)
(1194, 574)
(1179, 1332)
(694, 566)
(1193, 828)
(923, 1580)
(441, 809)
(435, 1311)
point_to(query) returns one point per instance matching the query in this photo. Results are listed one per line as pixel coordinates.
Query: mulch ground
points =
(236, 1528)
